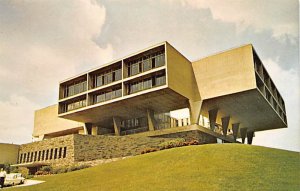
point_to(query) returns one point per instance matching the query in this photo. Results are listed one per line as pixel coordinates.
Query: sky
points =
(44, 42)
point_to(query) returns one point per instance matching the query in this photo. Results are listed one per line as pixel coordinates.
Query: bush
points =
(177, 143)
(149, 150)
(171, 144)
(40, 172)
(59, 170)
(46, 169)
(24, 171)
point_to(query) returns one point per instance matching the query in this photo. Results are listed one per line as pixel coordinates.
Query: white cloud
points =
(42, 43)
(16, 119)
(282, 18)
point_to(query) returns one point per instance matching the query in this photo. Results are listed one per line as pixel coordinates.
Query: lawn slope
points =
(204, 167)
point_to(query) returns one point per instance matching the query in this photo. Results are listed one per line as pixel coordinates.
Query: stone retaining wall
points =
(104, 147)
(59, 150)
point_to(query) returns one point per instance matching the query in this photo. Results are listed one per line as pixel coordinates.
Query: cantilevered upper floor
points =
(158, 78)
(236, 84)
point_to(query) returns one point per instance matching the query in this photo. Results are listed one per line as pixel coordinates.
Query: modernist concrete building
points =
(228, 95)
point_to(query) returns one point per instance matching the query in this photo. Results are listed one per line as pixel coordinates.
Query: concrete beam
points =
(225, 123)
(212, 115)
(195, 108)
(117, 126)
(250, 135)
(151, 120)
(243, 132)
(88, 128)
(235, 130)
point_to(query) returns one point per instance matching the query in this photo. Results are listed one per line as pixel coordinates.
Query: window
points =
(21, 155)
(99, 81)
(146, 65)
(147, 83)
(39, 156)
(160, 60)
(35, 155)
(51, 154)
(24, 159)
(160, 80)
(55, 153)
(134, 69)
(65, 152)
(100, 98)
(47, 154)
(118, 75)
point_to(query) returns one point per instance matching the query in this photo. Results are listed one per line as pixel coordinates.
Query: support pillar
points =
(117, 126)
(151, 120)
(243, 132)
(225, 123)
(195, 108)
(212, 115)
(88, 128)
(250, 135)
(235, 130)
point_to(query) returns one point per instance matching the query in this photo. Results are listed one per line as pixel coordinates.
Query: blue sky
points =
(44, 42)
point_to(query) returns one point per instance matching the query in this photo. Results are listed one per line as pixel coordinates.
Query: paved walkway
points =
(30, 182)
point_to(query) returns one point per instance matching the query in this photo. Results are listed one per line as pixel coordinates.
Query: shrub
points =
(149, 150)
(40, 172)
(171, 144)
(59, 170)
(24, 171)
(46, 169)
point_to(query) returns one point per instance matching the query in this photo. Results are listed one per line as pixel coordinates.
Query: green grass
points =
(205, 167)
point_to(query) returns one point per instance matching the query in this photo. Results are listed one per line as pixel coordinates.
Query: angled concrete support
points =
(243, 132)
(117, 126)
(151, 120)
(212, 115)
(235, 130)
(250, 135)
(87, 128)
(225, 123)
(195, 108)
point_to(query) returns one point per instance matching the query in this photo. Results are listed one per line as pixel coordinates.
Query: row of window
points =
(109, 77)
(143, 65)
(48, 154)
(104, 96)
(76, 105)
(74, 89)
(146, 83)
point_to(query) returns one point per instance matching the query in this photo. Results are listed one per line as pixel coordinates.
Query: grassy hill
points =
(205, 167)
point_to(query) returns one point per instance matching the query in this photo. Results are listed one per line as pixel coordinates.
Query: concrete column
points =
(235, 130)
(151, 120)
(243, 132)
(87, 128)
(250, 135)
(225, 123)
(117, 126)
(212, 118)
(195, 108)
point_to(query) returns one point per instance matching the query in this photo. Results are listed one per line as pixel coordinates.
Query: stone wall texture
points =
(44, 151)
(89, 147)
(202, 137)
(73, 149)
